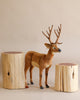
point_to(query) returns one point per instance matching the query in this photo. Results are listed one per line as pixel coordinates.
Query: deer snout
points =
(59, 50)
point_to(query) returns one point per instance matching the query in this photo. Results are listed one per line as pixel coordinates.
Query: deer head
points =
(53, 46)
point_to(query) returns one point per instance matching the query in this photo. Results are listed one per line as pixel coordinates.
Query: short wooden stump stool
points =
(13, 70)
(66, 77)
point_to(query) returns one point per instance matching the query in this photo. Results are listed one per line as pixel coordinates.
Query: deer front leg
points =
(40, 76)
(46, 76)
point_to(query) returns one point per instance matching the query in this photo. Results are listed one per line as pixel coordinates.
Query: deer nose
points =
(59, 50)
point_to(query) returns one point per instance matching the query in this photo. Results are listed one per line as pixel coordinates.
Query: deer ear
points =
(47, 45)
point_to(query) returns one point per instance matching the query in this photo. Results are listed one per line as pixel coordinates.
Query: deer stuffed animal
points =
(42, 61)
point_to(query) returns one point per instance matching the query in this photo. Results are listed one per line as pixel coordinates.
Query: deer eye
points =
(54, 48)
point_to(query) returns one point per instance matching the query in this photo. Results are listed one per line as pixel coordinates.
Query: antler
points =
(48, 33)
(58, 32)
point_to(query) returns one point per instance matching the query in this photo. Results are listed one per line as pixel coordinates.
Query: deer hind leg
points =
(26, 69)
(31, 68)
(46, 76)
(40, 81)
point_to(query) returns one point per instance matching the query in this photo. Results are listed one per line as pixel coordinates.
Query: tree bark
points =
(66, 77)
(13, 70)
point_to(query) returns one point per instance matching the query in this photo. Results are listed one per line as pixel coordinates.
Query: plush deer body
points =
(42, 61)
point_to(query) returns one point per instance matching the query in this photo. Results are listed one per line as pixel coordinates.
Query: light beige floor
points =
(34, 93)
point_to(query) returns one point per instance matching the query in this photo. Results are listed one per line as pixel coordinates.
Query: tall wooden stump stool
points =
(66, 77)
(13, 70)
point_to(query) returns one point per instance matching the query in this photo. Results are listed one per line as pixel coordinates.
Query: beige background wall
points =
(21, 23)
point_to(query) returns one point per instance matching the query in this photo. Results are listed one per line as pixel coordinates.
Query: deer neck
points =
(50, 55)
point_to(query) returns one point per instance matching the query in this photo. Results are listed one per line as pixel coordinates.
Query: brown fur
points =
(42, 61)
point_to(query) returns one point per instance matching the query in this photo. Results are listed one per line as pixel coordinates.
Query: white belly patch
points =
(35, 64)
(47, 66)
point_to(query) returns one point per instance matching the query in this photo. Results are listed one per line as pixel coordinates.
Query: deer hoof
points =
(41, 87)
(27, 83)
(26, 87)
(47, 86)
(32, 83)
